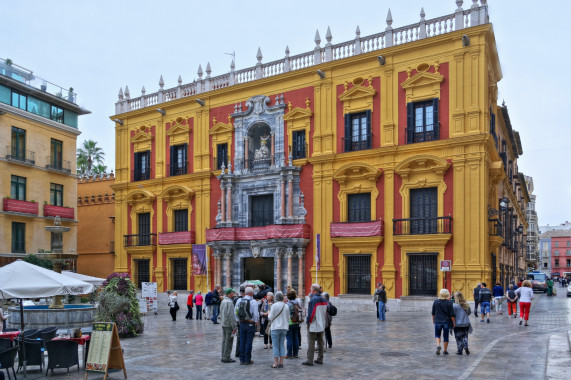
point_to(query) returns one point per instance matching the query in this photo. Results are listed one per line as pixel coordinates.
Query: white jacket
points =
(279, 315)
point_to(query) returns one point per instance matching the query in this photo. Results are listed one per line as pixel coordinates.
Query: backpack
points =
(332, 310)
(244, 311)
(297, 314)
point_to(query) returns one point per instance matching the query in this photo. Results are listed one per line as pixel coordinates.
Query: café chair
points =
(7, 358)
(34, 354)
(62, 354)
(5, 343)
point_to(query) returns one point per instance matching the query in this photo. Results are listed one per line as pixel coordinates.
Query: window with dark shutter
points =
(221, 155)
(180, 220)
(142, 166)
(262, 210)
(18, 237)
(178, 159)
(358, 131)
(359, 207)
(298, 145)
(422, 121)
(423, 210)
(144, 228)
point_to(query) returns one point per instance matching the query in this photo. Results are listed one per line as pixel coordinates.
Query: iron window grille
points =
(143, 272)
(358, 274)
(423, 121)
(423, 274)
(179, 273)
(359, 207)
(358, 134)
(180, 220)
(262, 210)
(298, 145)
(221, 156)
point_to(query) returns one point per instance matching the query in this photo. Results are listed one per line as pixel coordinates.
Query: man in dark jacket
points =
(215, 303)
(485, 297)
(476, 299)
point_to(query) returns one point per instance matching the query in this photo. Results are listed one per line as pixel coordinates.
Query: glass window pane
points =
(5, 94)
(39, 107)
(429, 117)
(70, 118)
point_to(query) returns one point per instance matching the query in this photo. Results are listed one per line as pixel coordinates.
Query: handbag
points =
(269, 328)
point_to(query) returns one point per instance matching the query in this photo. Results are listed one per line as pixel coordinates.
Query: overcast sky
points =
(96, 47)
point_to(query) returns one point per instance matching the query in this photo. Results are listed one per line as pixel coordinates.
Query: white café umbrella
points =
(24, 280)
(97, 281)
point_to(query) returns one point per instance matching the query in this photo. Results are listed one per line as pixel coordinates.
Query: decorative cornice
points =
(219, 127)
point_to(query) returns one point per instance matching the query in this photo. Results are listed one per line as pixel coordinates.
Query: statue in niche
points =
(263, 152)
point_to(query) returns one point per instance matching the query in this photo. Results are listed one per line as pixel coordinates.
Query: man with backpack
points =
(248, 317)
(331, 312)
(316, 313)
(296, 317)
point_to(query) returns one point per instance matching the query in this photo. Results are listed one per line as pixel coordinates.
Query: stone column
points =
(300, 267)
(272, 153)
(279, 254)
(216, 255)
(283, 200)
(223, 204)
(246, 140)
(290, 196)
(289, 266)
(228, 257)
(229, 202)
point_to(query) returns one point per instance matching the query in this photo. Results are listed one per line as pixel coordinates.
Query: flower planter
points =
(24, 207)
(63, 212)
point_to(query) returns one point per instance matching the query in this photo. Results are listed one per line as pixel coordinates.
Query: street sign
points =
(445, 265)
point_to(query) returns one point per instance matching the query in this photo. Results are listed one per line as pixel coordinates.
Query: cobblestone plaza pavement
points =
(401, 348)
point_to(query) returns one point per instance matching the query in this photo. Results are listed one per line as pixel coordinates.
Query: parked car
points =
(538, 281)
(569, 290)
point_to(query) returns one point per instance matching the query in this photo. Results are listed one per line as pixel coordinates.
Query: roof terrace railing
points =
(460, 19)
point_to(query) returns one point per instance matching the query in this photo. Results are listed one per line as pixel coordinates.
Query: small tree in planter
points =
(118, 303)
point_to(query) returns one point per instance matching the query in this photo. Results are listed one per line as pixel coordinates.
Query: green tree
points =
(33, 259)
(99, 169)
(88, 157)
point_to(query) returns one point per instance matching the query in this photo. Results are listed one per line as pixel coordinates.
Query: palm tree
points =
(99, 169)
(87, 156)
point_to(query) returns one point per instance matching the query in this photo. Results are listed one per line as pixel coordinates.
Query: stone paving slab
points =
(402, 347)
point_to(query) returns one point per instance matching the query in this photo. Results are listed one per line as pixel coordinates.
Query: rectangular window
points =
(221, 155)
(298, 145)
(557, 244)
(18, 144)
(568, 252)
(262, 210)
(358, 131)
(56, 194)
(423, 210)
(359, 207)
(142, 170)
(358, 274)
(18, 237)
(39, 107)
(180, 220)
(568, 263)
(56, 154)
(569, 243)
(179, 273)
(423, 121)
(556, 262)
(144, 228)
(556, 253)
(56, 114)
(19, 100)
(143, 271)
(18, 188)
(178, 164)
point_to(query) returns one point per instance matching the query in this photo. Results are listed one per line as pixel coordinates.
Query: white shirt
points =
(525, 294)
(279, 315)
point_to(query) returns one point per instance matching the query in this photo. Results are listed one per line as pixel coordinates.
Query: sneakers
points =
(520, 322)
(307, 363)
(458, 352)
(438, 350)
(445, 352)
(467, 351)
(481, 320)
(318, 362)
(515, 316)
(488, 320)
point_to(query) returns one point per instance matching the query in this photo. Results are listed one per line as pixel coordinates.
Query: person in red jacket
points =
(189, 304)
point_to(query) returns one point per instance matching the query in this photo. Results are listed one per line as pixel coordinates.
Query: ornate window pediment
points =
(222, 133)
(142, 139)
(178, 132)
(358, 98)
(177, 197)
(422, 164)
(298, 119)
(354, 178)
(140, 196)
(221, 128)
(423, 85)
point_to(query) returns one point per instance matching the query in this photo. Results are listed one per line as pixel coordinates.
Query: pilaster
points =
(388, 270)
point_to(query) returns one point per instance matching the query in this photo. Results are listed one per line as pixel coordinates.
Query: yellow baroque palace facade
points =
(381, 159)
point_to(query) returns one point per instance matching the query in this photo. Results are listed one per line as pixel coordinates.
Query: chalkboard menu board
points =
(105, 351)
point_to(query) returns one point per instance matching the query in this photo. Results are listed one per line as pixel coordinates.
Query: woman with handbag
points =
(462, 319)
(278, 325)
(264, 312)
(173, 304)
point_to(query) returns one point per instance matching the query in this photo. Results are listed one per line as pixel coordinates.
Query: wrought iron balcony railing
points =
(496, 228)
(140, 240)
(137, 175)
(178, 169)
(56, 163)
(14, 153)
(422, 226)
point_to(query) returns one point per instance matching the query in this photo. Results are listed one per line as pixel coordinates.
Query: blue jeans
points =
(278, 340)
(292, 338)
(484, 308)
(247, 331)
(214, 313)
(382, 306)
(440, 327)
(198, 311)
